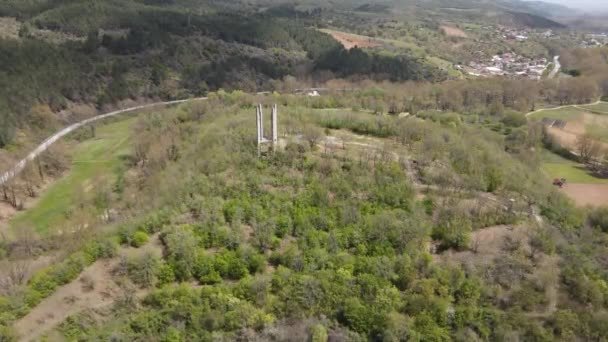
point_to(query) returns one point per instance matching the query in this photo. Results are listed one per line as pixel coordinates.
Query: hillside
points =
(403, 198)
(130, 49)
(358, 226)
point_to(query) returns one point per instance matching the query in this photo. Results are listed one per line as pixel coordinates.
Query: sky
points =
(588, 5)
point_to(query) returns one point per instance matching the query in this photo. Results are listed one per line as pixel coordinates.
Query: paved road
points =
(15, 170)
(556, 68)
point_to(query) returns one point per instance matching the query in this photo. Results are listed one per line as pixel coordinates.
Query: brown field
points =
(587, 194)
(453, 31)
(568, 135)
(350, 41)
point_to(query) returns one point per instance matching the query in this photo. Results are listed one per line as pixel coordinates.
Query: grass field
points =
(91, 159)
(598, 131)
(599, 108)
(554, 166)
(566, 113)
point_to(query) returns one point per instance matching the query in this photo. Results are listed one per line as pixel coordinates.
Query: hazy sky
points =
(583, 4)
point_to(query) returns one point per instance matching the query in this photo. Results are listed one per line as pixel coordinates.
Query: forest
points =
(139, 50)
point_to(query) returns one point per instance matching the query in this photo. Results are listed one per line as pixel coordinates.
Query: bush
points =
(318, 333)
(598, 218)
(139, 239)
(7, 334)
(514, 119)
(144, 270)
(165, 274)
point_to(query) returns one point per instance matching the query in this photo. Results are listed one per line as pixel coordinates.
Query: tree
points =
(588, 148)
(598, 218)
(182, 249)
(144, 270)
(312, 135)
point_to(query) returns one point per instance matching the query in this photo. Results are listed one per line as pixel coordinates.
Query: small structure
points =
(553, 123)
(559, 182)
(261, 140)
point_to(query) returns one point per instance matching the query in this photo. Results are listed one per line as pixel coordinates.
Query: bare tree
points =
(588, 148)
(12, 275)
(312, 134)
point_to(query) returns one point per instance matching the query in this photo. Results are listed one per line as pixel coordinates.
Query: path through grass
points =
(566, 113)
(91, 159)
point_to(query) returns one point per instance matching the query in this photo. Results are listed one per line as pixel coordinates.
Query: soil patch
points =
(94, 288)
(71, 299)
(453, 31)
(350, 41)
(9, 28)
(587, 194)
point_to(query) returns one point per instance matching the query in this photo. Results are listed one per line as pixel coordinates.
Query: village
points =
(595, 40)
(505, 64)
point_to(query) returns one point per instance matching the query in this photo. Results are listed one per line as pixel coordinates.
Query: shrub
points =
(7, 334)
(139, 239)
(165, 274)
(514, 119)
(318, 333)
(598, 218)
(144, 270)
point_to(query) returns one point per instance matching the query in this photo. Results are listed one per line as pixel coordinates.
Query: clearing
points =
(349, 40)
(583, 187)
(488, 245)
(578, 120)
(91, 159)
(561, 113)
(587, 194)
(9, 28)
(95, 288)
(452, 31)
(599, 108)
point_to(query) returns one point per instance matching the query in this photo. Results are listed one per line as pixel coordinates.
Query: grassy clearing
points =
(598, 131)
(566, 113)
(554, 166)
(91, 159)
(600, 108)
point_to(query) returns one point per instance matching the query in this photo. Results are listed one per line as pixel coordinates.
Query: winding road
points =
(556, 68)
(15, 170)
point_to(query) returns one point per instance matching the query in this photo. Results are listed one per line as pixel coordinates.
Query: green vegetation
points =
(411, 211)
(600, 108)
(333, 230)
(566, 113)
(556, 166)
(94, 162)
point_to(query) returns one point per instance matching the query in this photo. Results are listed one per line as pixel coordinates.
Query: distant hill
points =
(533, 21)
(541, 8)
